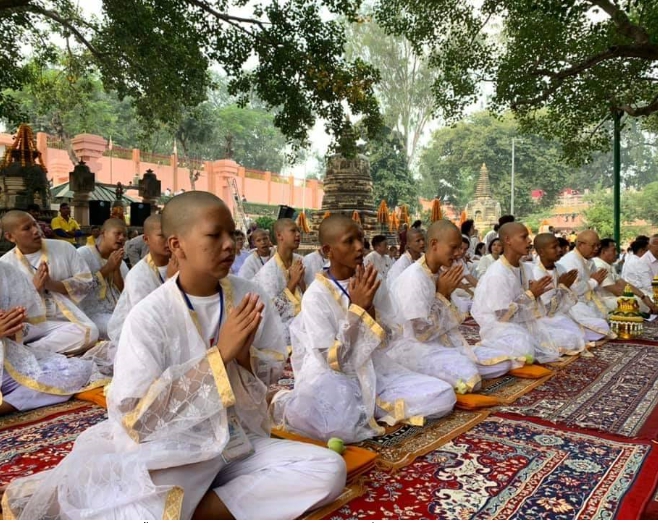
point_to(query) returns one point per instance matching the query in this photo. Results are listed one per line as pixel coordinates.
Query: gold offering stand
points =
(626, 320)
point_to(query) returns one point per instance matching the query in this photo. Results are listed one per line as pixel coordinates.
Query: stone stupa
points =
(483, 209)
(348, 187)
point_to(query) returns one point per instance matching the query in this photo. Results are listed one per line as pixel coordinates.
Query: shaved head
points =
(259, 232)
(544, 239)
(152, 223)
(333, 227)
(587, 236)
(440, 229)
(181, 211)
(113, 223)
(12, 218)
(588, 244)
(509, 228)
(282, 224)
(412, 233)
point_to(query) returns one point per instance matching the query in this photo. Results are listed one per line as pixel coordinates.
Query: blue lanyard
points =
(342, 289)
(221, 308)
(157, 270)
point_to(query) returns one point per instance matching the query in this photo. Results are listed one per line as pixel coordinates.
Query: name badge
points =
(238, 445)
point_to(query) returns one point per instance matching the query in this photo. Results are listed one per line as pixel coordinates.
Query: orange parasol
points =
(302, 223)
(393, 222)
(463, 217)
(382, 212)
(404, 214)
(356, 216)
(436, 215)
(326, 215)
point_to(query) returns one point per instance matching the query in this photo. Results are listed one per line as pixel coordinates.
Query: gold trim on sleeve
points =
(173, 504)
(222, 381)
(332, 357)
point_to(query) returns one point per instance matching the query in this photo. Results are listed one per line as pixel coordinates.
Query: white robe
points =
(484, 264)
(32, 377)
(100, 303)
(344, 379)
(381, 263)
(67, 266)
(510, 316)
(252, 265)
(590, 311)
(557, 303)
(637, 272)
(398, 268)
(431, 341)
(273, 278)
(608, 298)
(313, 264)
(176, 416)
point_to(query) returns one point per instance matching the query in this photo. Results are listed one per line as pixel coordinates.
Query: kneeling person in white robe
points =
(432, 343)
(109, 270)
(415, 249)
(344, 379)
(62, 279)
(259, 257)
(31, 377)
(507, 303)
(282, 277)
(187, 431)
(558, 300)
(590, 311)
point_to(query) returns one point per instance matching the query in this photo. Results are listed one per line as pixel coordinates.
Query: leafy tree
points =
(599, 215)
(157, 52)
(405, 86)
(450, 164)
(646, 203)
(562, 66)
(390, 174)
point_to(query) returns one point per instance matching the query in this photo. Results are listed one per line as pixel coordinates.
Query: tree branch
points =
(623, 23)
(233, 21)
(12, 4)
(644, 110)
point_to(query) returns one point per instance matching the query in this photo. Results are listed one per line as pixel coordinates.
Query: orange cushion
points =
(357, 459)
(475, 401)
(96, 396)
(530, 372)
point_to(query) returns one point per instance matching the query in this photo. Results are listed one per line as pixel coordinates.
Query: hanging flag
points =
(110, 146)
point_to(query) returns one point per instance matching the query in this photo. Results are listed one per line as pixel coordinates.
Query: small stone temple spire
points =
(483, 188)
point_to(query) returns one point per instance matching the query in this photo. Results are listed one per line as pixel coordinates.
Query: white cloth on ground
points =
(100, 303)
(432, 343)
(170, 407)
(64, 265)
(344, 379)
(590, 311)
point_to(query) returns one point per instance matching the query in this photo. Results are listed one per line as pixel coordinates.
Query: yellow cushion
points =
(357, 459)
(530, 372)
(96, 396)
(476, 401)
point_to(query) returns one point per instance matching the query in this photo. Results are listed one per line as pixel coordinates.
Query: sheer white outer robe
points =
(67, 266)
(100, 303)
(557, 303)
(608, 298)
(590, 311)
(381, 263)
(252, 265)
(431, 341)
(33, 377)
(168, 407)
(509, 315)
(273, 279)
(398, 268)
(344, 378)
(313, 263)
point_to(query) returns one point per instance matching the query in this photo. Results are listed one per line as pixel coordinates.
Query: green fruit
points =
(529, 359)
(336, 444)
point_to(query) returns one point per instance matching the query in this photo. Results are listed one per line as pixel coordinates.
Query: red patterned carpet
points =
(616, 391)
(515, 469)
(39, 440)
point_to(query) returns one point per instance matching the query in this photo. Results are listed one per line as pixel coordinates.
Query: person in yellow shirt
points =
(65, 227)
(95, 234)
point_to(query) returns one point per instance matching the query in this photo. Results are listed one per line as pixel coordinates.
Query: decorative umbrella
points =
(404, 214)
(302, 223)
(356, 216)
(436, 215)
(393, 222)
(382, 212)
(326, 215)
(463, 217)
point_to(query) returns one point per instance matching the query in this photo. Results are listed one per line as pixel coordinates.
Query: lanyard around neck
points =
(342, 289)
(221, 308)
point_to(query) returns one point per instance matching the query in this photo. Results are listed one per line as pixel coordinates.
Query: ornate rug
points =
(514, 469)
(508, 388)
(471, 331)
(616, 391)
(34, 441)
(403, 443)
(650, 334)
